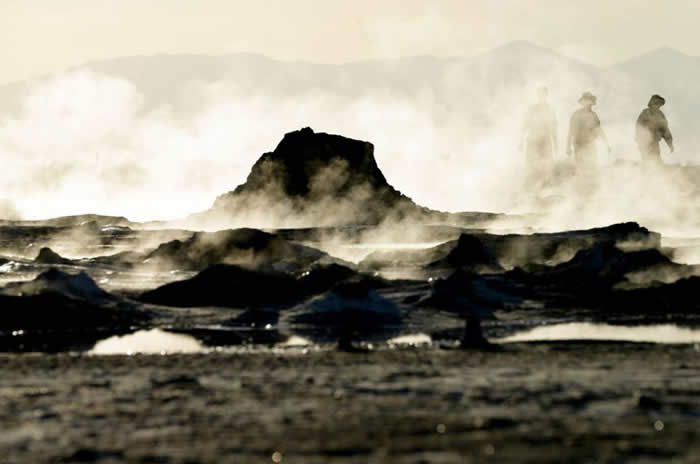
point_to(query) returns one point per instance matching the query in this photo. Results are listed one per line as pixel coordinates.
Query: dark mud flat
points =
(537, 403)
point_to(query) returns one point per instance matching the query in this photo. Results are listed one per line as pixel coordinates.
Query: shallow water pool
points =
(588, 331)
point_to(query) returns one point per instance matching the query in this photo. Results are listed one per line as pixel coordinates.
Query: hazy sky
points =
(41, 36)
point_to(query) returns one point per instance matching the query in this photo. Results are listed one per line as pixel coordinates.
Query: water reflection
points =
(296, 340)
(358, 251)
(158, 341)
(661, 333)
(411, 339)
(155, 341)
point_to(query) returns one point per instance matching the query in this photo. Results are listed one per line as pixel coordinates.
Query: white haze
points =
(83, 145)
(90, 142)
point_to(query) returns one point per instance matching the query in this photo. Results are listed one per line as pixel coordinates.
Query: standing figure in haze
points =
(584, 131)
(652, 126)
(539, 134)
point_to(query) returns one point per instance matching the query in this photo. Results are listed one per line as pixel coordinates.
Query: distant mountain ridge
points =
(163, 79)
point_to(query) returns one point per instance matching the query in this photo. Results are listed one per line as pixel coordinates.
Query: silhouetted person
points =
(539, 134)
(652, 126)
(584, 131)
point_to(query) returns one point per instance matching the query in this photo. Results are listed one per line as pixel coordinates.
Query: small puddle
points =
(587, 331)
(411, 339)
(163, 342)
(155, 341)
(296, 340)
(393, 246)
(356, 252)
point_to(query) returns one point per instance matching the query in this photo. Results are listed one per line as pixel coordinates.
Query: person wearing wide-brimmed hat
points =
(584, 132)
(651, 127)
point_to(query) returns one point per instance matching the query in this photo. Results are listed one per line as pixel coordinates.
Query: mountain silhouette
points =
(665, 69)
(170, 79)
(485, 83)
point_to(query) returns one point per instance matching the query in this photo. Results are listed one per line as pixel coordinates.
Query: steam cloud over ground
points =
(166, 141)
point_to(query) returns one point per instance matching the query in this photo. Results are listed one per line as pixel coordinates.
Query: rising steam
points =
(89, 142)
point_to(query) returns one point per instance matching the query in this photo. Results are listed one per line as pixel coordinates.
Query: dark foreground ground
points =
(538, 403)
(67, 283)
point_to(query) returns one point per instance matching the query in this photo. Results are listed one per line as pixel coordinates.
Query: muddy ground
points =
(536, 403)
(254, 402)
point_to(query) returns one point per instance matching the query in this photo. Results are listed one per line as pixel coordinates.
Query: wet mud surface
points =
(538, 403)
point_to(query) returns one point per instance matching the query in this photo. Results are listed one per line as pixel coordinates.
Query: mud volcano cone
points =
(317, 179)
(351, 311)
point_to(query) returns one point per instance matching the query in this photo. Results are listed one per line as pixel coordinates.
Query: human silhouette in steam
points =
(652, 126)
(584, 132)
(539, 133)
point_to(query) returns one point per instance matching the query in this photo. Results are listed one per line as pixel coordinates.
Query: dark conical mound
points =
(317, 178)
(228, 286)
(57, 300)
(469, 294)
(76, 286)
(469, 253)
(606, 264)
(48, 256)
(353, 305)
(250, 248)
